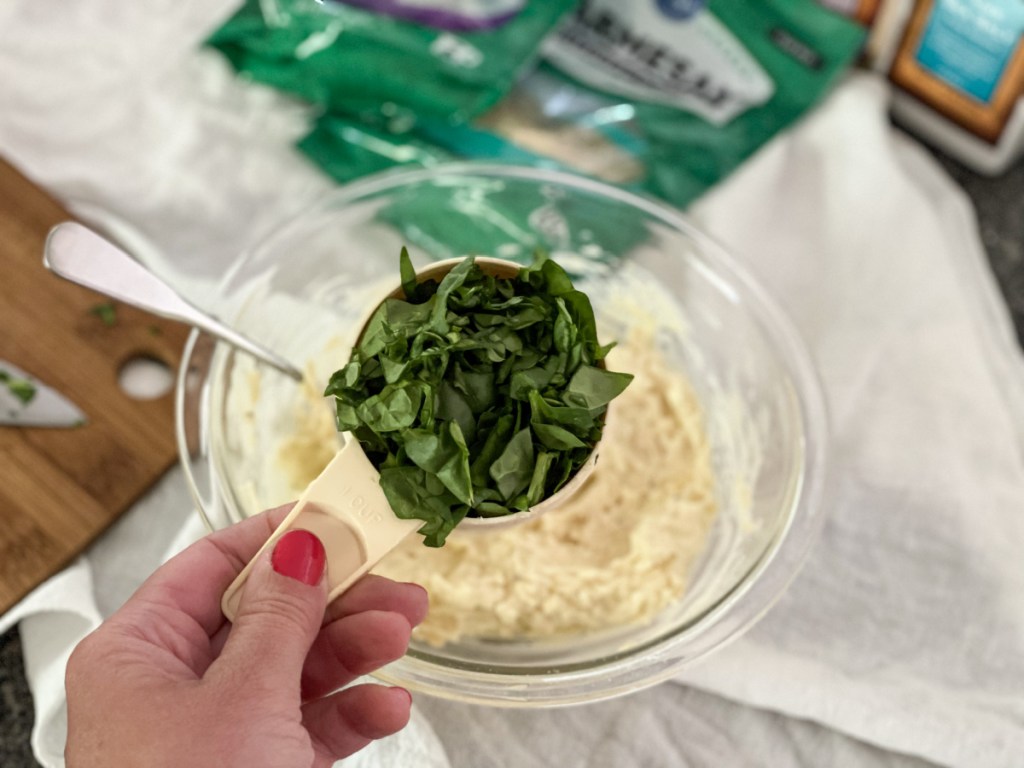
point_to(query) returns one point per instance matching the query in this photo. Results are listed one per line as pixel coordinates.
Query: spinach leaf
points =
(394, 408)
(491, 449)
(106, 312)
(476, 395)
(444, 455)
(593, 388)
(556, 438)
(514, 467)
(23, 389)
(407, 274)
(539, 478)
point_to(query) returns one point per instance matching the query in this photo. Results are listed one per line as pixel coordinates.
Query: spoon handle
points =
(78, 254)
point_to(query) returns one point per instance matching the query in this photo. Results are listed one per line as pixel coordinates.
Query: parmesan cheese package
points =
(671, 95)
(663, 96)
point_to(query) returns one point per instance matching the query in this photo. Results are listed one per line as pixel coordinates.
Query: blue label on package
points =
(968, 43)
(681, 9)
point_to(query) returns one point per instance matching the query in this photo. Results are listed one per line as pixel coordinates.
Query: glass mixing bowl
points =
(317, 275)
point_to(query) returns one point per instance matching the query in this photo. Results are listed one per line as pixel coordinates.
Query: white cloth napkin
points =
(907, 625)
(906, 629)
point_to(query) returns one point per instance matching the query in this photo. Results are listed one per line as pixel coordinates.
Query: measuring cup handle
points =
(346, 508)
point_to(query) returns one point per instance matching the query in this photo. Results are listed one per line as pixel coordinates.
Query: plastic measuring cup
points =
(347, 510)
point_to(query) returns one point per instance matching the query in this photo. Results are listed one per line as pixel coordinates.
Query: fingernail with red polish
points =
(299, 555)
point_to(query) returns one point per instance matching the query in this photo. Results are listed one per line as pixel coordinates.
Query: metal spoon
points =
(78, 254)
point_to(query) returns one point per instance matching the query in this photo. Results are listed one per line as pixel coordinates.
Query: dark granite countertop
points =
(999, 203)
(1000, 208)
(15, 705)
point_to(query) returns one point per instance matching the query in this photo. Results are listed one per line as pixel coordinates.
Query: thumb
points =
(280, 614)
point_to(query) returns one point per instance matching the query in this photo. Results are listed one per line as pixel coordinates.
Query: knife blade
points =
(26, 402)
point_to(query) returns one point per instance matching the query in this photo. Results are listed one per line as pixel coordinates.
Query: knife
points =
(27, 402)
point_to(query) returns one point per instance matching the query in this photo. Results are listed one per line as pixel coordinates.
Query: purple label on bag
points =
(450, 15)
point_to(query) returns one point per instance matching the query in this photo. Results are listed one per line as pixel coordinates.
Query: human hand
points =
(168, 681)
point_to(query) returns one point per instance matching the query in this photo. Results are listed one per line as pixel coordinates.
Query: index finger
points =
(193, 581)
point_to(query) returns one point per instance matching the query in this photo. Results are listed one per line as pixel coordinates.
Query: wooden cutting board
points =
(61, 488)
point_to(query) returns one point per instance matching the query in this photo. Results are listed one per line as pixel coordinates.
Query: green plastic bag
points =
(384, 70)
(348, 149)
(662, 96)
(490, 217)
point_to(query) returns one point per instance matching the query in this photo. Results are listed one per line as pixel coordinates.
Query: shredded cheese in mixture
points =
(616, 554)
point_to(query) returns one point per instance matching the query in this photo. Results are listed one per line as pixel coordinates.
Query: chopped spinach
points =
(476, 395)
(106, 312)
(23, 389)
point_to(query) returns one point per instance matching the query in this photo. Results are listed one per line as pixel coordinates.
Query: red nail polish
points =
(299, 555)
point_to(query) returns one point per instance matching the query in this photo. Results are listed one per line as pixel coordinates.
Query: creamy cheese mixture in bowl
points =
(708, 493)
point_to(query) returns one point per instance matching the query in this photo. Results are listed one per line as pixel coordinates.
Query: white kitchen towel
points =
(53, 619)
(905, 630)
(63, 610)
(906, 627)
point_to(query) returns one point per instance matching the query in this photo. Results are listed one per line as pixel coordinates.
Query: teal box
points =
(968, 43)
